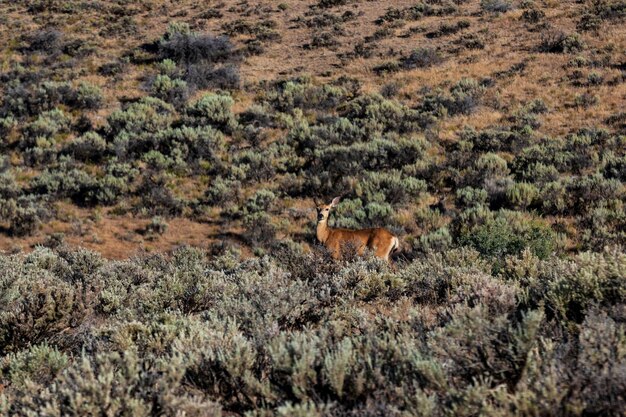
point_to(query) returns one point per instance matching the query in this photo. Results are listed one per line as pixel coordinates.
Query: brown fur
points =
(378, 240)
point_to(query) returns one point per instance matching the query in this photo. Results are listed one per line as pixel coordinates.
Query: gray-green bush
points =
(204, 335)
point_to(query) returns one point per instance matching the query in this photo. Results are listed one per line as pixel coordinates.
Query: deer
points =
(378, 240)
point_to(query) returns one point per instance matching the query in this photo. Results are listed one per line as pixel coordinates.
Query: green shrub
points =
(157, 225)
(205, 61)
(422, 58)
(148, 115)
(256, 166)
(203, 76)
(261, 201)
(350, 213)
(24, 215)
(196, 333)
(499, 237)
(490, 165)
(446, 29)
(47, 125)
(39, 306)
(438, 241)
(601, 226)
(589, 22)
(393, 187)
(541, 174)
(331, 3)
(168, 67)
(471, 197)
(615, 168)
(259, 229)
(156, 197)
(89, 147)
(533, 15)
(180, 44)
(301, 93)
(88, 96)
(173, 91)
(463, 98)
(214, 110)
(560, 42)
(522, 195)
(376, 114)
(39, 364)
(585, 192)
(6, 125)
(586, 100)
(9, 188)
(223, 191)
(496, 6)
(473, 344)
(341, 161)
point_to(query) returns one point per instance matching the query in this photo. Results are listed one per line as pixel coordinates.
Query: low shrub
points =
(498, 237)
(496, 6)
(182, 45)
(422, 58)
(148, 115)
(559, 42)
(172, 91)
(37, 309)
(157, 225)
(202, 334)
(331, 3)
(90, 147)
(23, 214)
(464, 97)
(259, 229)
(156, 197)
(323, 40)
(586, 100)
(47, 125)
(533, 15)
(214, 110)
(446, 29)
(438, 241)
(471, 197)
(45, 40)
(522, 195)
(203, 76)
(87, 96)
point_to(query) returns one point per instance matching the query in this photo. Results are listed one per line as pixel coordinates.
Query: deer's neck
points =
(323, 230)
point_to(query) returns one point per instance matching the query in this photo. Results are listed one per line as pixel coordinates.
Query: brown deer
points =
(380, 241)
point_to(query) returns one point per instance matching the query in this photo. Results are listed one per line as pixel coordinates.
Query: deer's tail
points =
(396, 245)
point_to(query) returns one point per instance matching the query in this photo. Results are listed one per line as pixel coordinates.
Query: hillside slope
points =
(510, 111)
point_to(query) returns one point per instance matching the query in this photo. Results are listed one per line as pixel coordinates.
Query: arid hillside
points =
(144, 126)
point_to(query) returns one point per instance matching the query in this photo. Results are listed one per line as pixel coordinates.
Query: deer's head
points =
(323, 210)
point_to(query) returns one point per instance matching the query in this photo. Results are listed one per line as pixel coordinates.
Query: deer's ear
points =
(335, 201)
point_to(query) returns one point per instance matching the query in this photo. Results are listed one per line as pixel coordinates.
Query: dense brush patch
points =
(488, 135)
(197, 334)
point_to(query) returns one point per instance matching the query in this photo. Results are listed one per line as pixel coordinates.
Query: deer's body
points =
(378, 240)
